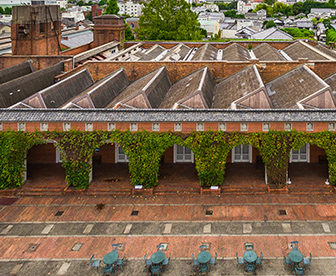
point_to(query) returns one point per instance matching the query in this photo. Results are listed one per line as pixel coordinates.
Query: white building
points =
(130, 8)
(74, 14)
(211, 26)
(243, 7)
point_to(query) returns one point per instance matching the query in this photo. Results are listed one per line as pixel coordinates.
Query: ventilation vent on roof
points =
(301, 80)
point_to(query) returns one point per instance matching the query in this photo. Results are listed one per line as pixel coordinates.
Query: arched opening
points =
(308, 169)
(177, 171)
(110, 169)
(44, 168)
(245, 170)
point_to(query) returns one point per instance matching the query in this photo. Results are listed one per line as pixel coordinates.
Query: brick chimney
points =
(107, 28)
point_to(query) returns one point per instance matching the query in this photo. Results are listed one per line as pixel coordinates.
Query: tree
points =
(233, 14)
(269, 2)
(102, 3)
(112, 7)
(80, 3)
(168, 20)
(270, 24)
(128, 33)
(1, 10)
(8, 10)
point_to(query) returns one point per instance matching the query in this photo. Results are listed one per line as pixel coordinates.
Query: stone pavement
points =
(46, 235)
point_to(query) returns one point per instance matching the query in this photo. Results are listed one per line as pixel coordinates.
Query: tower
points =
(108, 27)
(36, 29)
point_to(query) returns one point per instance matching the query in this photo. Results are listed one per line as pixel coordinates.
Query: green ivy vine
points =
(145, 149)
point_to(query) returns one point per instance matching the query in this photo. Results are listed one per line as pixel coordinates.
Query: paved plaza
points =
(57, 235)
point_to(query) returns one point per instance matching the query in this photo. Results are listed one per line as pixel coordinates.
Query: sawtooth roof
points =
(179, 52)
(193, 91)
(146, 92)
(206, 52)
(60, 93)
(301, 49)
(236, 52)
(265, 52)
(23, 87)
(289, 89)
(236, 87)
(16, 71)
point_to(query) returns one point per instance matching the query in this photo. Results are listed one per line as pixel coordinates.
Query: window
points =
(178, 127)
(199, 126)
(42, 28)
(183, 154)
(288, 126)
(21, 126)
(156, 126)
(266, 127)
(244, 127)
(242, 153)
(88, 126)
(331, 127)
(66, 126)
(121, 156)
(110, 126)
(1, 127)
(44, 126)
(222, 126)
(133, 127)
(301, 155)
(310, 126)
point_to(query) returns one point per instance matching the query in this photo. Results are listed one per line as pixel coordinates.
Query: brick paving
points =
(179, 247)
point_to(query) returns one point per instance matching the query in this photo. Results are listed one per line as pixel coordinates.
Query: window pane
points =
(303, 149)
(237, 150)
(187, 157)
(179, 149)
(187, 150)
(246, 149)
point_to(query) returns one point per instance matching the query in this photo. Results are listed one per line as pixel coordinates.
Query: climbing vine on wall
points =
(77, 149)
(13, 150)
(145, 149)
(211, 150)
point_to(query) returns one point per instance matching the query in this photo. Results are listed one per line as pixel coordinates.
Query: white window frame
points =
(266, 127)
(222, 126)
(241, 160)
(156, 126)
(88, 126)
(66, 126)
(111, 126)
(43, 126)
(120, 157)
(58, 156)
(21, 126)
(331, 126)
(288, 126)
(133, 126)
(177, 126)
(300, 155)
(199, 126)
(243, 126)
(1, 127)
(183, 160)
(310, 126)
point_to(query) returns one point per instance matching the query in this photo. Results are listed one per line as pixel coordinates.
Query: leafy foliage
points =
(168, 20)
(112, 7)
(331, 36)
(233, 14)
(295, 32)
(145, 149)
(13, 150)
(128, 33)
(270, 24)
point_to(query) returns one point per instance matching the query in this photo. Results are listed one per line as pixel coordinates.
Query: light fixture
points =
(327, 182)
(288, 182)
